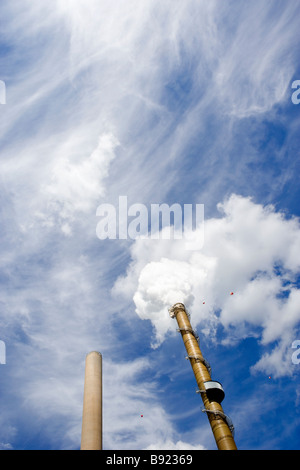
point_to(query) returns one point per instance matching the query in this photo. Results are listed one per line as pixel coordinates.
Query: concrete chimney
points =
(212, 392)
(91, 434)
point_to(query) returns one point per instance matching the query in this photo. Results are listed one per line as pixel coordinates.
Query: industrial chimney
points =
(91, 434)
(212, 392)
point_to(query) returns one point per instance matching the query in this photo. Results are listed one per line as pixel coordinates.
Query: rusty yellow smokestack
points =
(91, 434)
(211, 392)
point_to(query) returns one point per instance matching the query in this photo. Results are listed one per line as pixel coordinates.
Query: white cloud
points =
(5, 446)
(179, 445)
(77, 186)
(133, 417)
(252, 251)
(8, 430)
(162, 284)
(245, 83)
(111, 66)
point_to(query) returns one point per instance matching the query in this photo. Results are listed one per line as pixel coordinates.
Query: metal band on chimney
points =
(201, 359)
(223, 416)
(189, 330)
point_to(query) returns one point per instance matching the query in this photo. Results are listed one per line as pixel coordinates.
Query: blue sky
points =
(181, 102)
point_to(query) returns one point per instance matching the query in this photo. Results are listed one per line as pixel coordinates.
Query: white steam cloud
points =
(243, 278)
